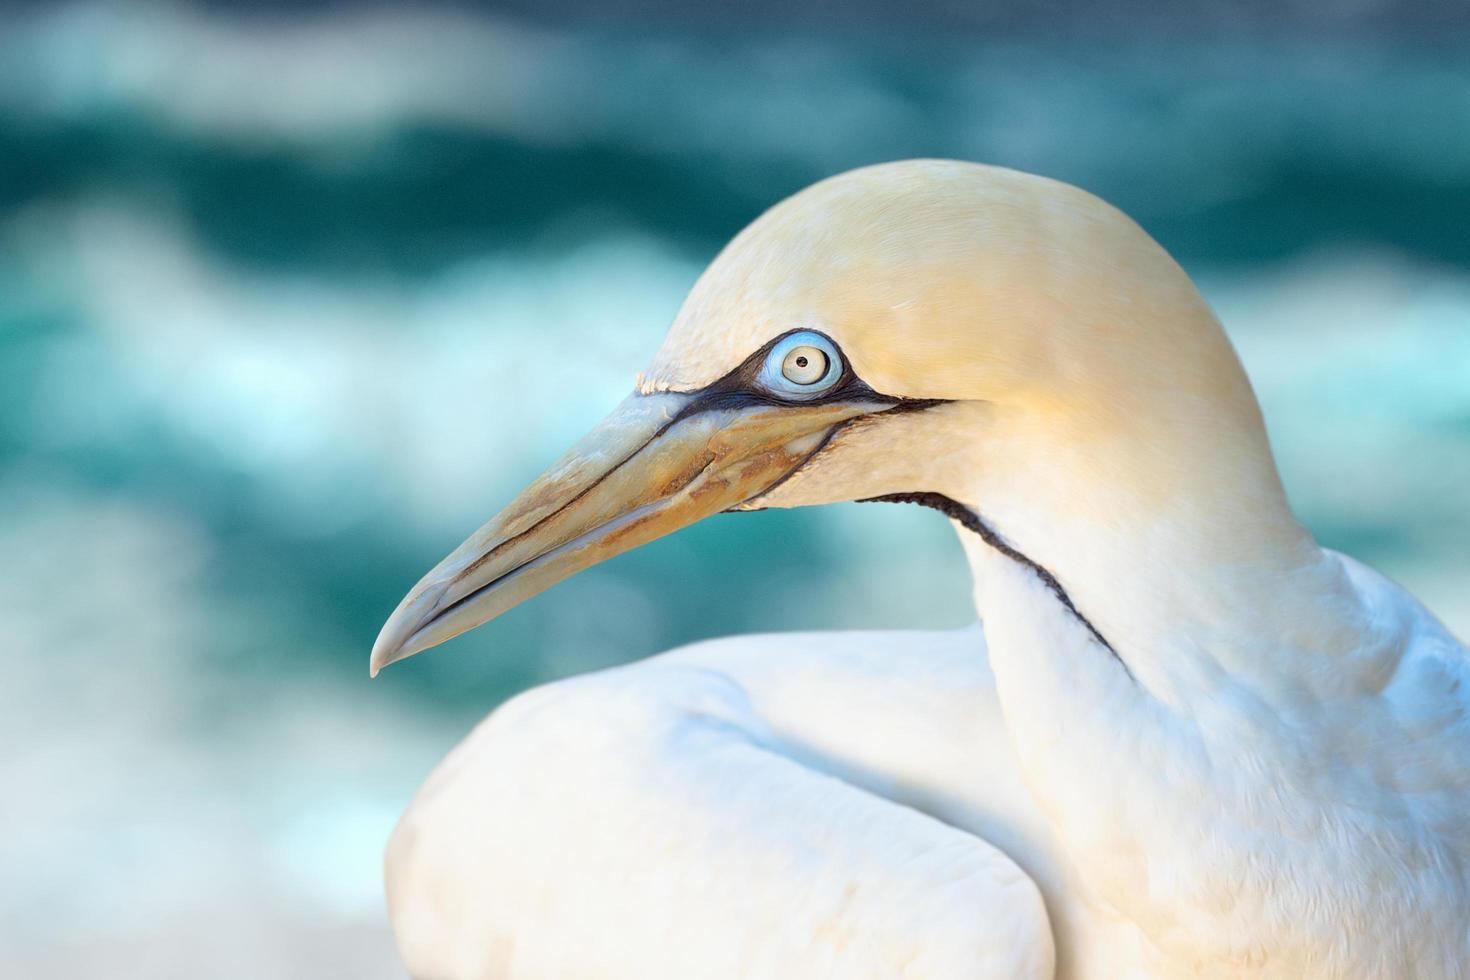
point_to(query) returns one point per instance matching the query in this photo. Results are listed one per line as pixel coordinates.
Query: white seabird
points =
(1189, 742)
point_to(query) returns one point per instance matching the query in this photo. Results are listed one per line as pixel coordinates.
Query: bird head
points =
(890, 330)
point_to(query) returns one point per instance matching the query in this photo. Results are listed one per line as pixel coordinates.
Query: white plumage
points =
(1188, 742)
(725, 811)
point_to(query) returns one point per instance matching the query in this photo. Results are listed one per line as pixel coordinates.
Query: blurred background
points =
(294, 295)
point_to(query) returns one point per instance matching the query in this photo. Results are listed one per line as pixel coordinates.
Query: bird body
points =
(753, 807)
(1188, 742)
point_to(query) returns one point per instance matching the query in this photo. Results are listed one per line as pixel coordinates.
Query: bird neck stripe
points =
(972, 521)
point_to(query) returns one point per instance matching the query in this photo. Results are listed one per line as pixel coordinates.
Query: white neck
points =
(1221, 609)
(1170, 535)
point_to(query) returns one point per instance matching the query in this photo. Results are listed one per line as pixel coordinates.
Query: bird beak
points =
(658, 463)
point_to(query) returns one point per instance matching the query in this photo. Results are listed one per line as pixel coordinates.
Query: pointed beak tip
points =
(400, 637)
(377, 661)
(391, 646)
(394, 644)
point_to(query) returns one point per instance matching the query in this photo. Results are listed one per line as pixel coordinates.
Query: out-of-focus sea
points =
(289, 305)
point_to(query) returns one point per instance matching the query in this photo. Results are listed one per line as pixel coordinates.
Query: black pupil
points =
(801, 361)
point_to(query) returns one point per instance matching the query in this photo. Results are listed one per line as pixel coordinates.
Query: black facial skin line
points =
(735, 390)
(739, 389)
(972, 521)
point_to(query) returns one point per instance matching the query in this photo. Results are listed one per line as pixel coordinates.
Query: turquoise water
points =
(288, 307)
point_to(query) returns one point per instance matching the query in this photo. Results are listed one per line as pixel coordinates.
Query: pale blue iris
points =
(773, 379)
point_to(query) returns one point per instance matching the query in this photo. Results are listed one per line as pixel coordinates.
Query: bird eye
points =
(801, 365)
(804, 365)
